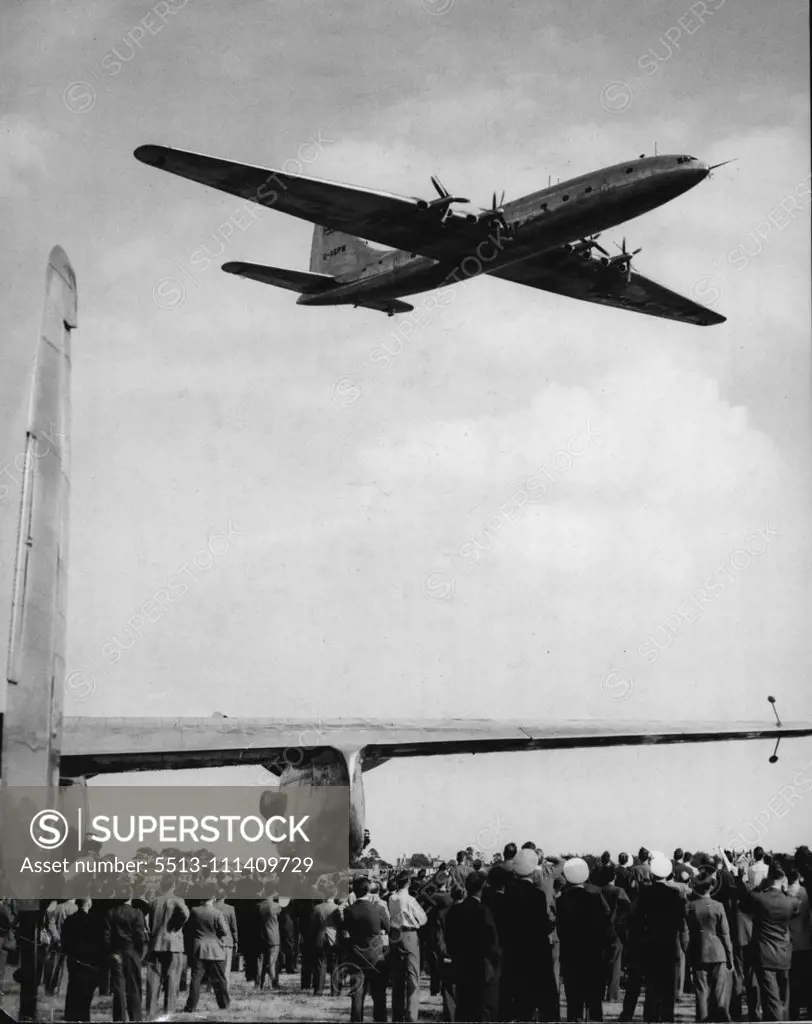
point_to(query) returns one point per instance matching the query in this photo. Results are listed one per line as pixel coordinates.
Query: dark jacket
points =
(125, 929)
(771, 911)
(364, 921)
(584, 926)
(208, 930)
(83, 939)
(471, 939)
(659, 924)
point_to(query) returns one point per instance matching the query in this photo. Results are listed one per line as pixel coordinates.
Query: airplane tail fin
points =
(336, 253)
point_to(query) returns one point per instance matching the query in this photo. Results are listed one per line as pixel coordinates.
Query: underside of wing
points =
(380, 217)
(591, 281)
(100, 745)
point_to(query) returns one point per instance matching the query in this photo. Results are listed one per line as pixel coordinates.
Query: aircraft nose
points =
(701, 169)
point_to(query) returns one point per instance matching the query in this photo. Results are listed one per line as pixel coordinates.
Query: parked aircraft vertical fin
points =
(32, 720)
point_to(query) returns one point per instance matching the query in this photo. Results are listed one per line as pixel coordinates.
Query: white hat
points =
(661, 866)
(576, 870)
(525, 863)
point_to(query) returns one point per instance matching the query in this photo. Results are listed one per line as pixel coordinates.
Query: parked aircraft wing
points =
(101, 745)
(381, 217)
(591, 281)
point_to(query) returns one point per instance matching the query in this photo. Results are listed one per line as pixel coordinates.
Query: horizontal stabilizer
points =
(389, 306)
(293, 280)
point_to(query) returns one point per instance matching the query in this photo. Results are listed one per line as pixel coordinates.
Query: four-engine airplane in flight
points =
(546, 240)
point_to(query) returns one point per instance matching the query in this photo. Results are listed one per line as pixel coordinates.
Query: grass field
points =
(287, 1004)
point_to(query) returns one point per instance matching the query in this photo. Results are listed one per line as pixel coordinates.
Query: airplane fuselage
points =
(539, 223)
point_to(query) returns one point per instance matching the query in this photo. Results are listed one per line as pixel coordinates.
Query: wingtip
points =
(155, 156)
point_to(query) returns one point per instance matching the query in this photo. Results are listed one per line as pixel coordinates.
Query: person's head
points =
(705, 881)
(402, 881)
(606, 857)
(221, 892)
(758, 853)
(686, 857)
(528, 845)
(361, 886)
(441, 880)
(391, 883)
(643, 855)
(510, 851)
(623, 859)
(166, 882)
(576, 871)
(474, 884)
(661, 867)
(776, 877)
(421, 874)
(678, 853)
(498, 878)
(605, 875)
(84, 904)
(793, 876)
(460, 856)
(525, 863)
(477, 864)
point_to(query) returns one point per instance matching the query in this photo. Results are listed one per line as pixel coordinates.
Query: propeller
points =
(496, 214)
(442, 205)
(584, 247)
(624, 261)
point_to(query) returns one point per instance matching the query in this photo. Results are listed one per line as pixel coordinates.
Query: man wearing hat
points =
(710, 952)
(661, 922)
(585, 935)
(529, 921)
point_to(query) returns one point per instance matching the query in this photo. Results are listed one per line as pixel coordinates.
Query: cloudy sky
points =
(661, 569)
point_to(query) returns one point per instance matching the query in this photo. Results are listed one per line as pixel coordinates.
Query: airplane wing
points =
(93, 746)
(381, 217)
(591, 281)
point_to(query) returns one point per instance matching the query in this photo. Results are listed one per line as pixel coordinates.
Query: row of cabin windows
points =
(566, 196)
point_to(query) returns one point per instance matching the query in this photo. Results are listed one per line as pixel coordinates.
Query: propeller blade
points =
(502, 200)
(441, 190)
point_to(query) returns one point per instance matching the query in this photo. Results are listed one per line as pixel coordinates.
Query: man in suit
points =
(659, 932)
(619, 910)
(232, 940)
(641, 872)
(125, 936)
(473, 946)
(365, 928)
(800, 932)
(771, 910)
(208, 932)
(167, 915)
(585, 934)
(623, 874)
(325, 923)
(83, 946)
(439, 961)
(288, 937)
(528, 953)
(710, 951)
(269, 910)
